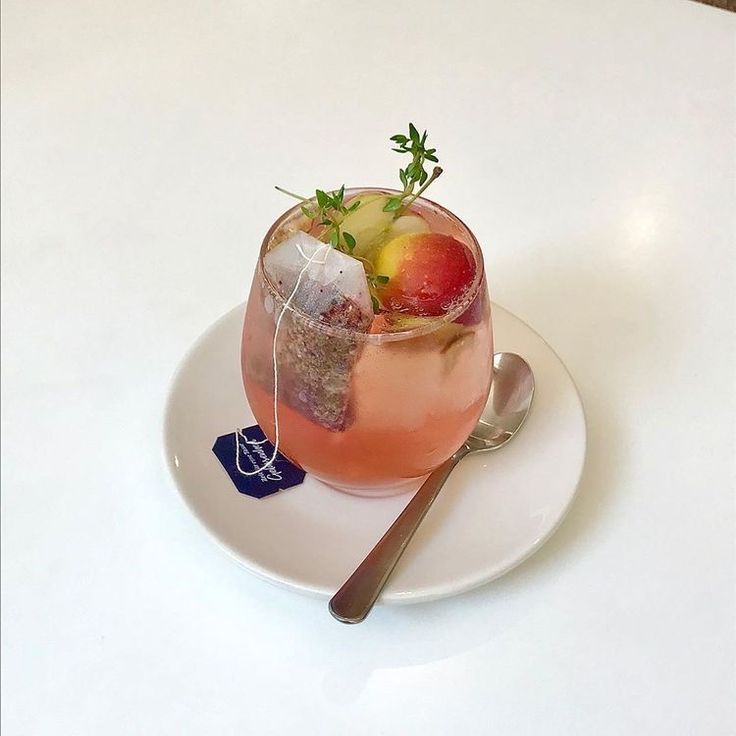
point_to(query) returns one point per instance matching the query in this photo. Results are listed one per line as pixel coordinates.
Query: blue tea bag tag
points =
(246, 451)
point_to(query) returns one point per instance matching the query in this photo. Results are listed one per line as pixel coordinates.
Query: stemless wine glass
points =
(367, 412)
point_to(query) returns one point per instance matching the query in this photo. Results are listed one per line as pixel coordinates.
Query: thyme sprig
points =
(415, 174)
(329, 210)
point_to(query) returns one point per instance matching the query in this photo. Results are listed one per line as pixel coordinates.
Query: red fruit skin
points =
(433, 272)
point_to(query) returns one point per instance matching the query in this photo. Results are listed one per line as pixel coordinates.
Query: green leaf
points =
(423, 177)
(334, 238)
(376, 304)
(413, 133)
(430, 157)
(381, 279)
(349, 240)
(414, 170)
(392, 205)
(323, 200)
(399, 150)
(325, 222)
(354, 206)
(424, 139)
(402, 176)
(398, 138)
(306, 211)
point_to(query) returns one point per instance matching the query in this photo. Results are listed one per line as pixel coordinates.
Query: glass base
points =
(404, 485)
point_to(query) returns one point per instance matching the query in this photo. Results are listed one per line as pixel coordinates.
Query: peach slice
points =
(428, 273)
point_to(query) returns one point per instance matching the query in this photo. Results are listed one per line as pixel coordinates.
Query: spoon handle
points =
(352, 603)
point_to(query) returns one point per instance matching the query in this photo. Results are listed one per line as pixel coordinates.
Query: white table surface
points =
(590, 145)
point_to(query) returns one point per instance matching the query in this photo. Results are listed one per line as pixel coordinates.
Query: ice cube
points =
(325, 275)
(314, 367)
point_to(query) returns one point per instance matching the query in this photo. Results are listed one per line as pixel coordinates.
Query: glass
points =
(412, 396)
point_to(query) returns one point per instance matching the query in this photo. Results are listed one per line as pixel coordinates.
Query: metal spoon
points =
(508, 404)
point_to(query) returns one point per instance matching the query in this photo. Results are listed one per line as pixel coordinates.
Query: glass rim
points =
(379, 337)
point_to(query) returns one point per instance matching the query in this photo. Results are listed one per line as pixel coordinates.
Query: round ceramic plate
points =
(495, 510)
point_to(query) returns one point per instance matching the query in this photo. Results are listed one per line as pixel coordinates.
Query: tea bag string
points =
(239, 433)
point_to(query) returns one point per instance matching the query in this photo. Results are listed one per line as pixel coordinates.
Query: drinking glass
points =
(367, 412)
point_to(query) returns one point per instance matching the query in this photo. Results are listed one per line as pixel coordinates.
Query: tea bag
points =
(314, 367)
(327, 275)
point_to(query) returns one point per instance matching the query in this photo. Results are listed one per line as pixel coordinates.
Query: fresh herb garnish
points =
(375, 282)
(415, 173)
(378, 280)
(329, 210)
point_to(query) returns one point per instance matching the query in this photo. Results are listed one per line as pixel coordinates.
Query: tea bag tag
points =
(246, 457)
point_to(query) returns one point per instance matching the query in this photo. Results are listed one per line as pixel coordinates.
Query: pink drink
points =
(369, 412)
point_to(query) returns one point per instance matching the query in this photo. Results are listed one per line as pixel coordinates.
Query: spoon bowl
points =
(509, 401)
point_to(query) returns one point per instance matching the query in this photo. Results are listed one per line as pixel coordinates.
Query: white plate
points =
(495, 510)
